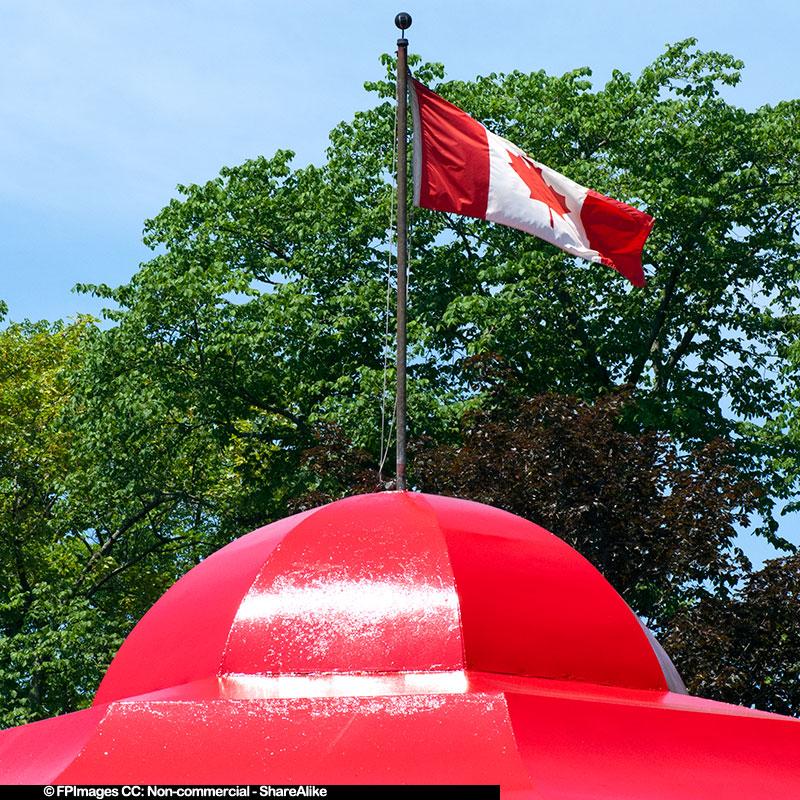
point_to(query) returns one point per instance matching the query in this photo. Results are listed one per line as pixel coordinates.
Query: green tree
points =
(248, 353)
(268, 298)
(53, 641)
(262, 317)
(82, 555)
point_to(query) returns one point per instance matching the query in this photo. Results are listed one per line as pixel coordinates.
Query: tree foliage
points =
(241, 374)
(53, 642)
(750, 641)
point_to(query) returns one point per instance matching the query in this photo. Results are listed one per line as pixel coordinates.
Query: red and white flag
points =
(461, 167)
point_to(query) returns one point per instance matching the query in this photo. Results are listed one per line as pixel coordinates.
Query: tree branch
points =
(651, 346)
(132, 562)
(675, 356)
(120, 531)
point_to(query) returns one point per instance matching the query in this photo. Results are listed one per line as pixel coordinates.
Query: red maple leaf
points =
(540, 189)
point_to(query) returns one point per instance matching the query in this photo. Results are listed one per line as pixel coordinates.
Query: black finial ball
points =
(403, 20)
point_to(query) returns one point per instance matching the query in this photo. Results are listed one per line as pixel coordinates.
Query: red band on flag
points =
(618, 232)
(454, 157)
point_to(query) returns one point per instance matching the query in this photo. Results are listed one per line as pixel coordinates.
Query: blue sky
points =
(106, 106)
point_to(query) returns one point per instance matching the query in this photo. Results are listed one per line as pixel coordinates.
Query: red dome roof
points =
(404, 638)
(386, 583)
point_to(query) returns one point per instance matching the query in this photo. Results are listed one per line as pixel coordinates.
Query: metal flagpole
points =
(402, 21)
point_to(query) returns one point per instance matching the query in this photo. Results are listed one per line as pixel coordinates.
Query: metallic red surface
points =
(404, 638)
(538, 738)
(183, 635)
(38, 753)
(367, 584)
(405, 739)
(629, 751)
(531, 605)
(363, 585)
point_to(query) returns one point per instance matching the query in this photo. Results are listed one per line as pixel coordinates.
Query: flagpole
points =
(402, 21)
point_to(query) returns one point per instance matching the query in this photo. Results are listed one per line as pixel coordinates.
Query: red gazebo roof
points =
(404, 638)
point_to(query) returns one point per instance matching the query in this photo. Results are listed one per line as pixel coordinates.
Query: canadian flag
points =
(462, 167)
